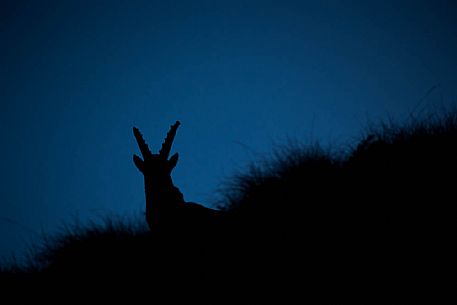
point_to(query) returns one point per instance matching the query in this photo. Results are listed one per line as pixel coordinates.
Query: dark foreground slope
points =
(378, 225)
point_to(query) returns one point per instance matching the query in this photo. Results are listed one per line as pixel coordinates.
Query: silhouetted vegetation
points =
(375, 225)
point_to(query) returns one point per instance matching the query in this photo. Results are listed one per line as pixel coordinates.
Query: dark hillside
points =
(378, 225)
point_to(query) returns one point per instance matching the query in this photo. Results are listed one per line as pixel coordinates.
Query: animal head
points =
(156, 166)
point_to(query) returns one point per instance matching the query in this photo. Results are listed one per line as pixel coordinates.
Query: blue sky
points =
(75, 76)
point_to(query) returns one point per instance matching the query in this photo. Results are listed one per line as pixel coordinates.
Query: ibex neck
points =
(162, 197)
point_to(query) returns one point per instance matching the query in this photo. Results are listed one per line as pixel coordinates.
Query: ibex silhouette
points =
(165, 205)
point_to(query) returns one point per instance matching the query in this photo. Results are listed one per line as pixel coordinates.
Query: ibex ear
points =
(139, 163)
(173, 161)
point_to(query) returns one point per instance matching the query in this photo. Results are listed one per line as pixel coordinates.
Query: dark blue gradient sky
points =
(240, 75)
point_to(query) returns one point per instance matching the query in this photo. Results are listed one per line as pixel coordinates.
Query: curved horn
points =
(166, 145)
(141, 142)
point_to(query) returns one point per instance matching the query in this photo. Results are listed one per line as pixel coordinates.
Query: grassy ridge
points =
(378, 224)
